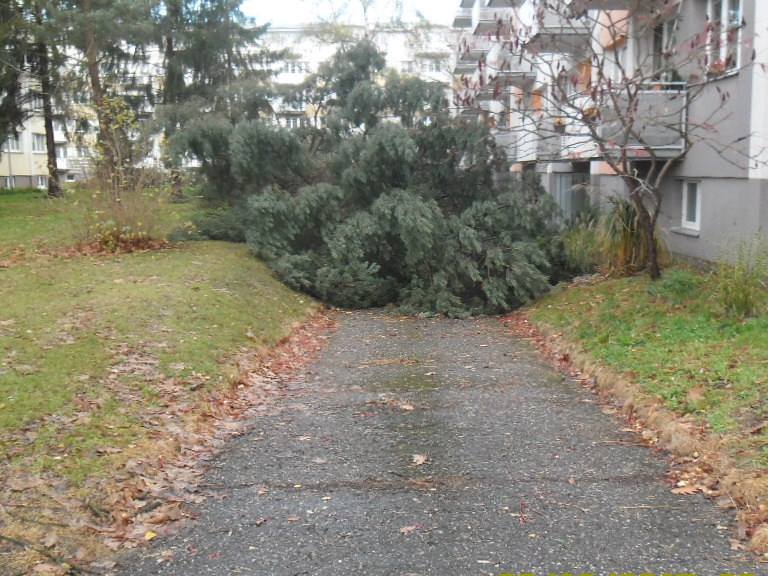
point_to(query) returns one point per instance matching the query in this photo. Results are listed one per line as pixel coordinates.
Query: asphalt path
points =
(435, 446)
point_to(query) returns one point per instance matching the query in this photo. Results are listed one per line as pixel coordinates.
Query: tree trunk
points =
(43, 69)
(174, 85)
(97, 91)
(654, 270)
(648, 225)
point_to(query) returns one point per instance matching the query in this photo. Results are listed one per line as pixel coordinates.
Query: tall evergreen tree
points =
(13, 47)
(45, 59)
(213, 66)
(112, 35)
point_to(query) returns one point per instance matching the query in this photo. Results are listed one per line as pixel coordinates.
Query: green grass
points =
(29, 220)
(674, 340)
(76, 332)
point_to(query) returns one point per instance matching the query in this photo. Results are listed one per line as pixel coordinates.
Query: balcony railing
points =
(659, 122)
(490, 20)
(556, 31)
(473, 48)
(463, 18)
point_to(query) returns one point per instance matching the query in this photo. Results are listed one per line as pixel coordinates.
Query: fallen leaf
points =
(406, 530)
(407, 407)
(47, 569)
(686, 490)
(293, 518)
(150, 535)
(50, 540)
(419, 459)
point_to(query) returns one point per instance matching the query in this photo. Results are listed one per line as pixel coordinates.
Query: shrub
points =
(224, 223)
(623, 242)
(581, 248)
(741, 285)
(119, 224)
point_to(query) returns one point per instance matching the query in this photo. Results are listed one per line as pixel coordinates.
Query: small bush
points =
(582, 249)
(741, 285)
(623, 242)
(221, 224)
(677, 286)
(120, 224)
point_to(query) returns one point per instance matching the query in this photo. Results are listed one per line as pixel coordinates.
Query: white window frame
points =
(36, 138)
(721, 53)
(684, 222)
(10, 182)
(42, 182)
(13, 143)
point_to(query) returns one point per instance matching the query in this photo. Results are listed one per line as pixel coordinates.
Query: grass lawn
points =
(673, 340)
(29, 220)
(89, 345)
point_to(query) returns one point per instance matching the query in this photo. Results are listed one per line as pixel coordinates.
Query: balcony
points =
(509, 68)
(473, 48)
(491, 20)
(464, 68)
(556, 31)
(576, 142)
(463, 18)
(660, 125)
(549, 141)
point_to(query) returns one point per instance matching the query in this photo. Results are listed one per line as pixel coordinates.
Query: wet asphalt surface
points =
(524, 472)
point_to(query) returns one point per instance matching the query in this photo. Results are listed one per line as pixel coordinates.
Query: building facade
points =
(697, 71)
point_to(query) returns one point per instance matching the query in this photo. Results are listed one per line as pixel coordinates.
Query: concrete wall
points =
(732, 210)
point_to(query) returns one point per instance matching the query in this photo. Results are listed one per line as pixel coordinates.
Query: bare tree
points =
(629, 87)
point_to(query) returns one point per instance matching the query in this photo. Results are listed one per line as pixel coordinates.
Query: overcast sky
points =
(293, 12)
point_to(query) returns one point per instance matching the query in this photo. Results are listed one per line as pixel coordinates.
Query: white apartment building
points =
(716, 189)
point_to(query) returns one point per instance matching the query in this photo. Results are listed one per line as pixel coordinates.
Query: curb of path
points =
(701, 464)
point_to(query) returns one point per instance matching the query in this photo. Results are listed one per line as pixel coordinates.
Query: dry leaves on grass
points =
(149, 495)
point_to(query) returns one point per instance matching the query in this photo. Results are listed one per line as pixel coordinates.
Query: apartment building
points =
(544, 75)
(23, 156)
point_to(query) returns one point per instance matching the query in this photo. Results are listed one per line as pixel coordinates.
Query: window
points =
(13, 143)
(725, 24)
(9, 182)
(61, 151)
(70, 177)
(691, 206)
(662, 45)
(296, 67)
(296, 121)
(431, 66)
(38, 142)
(36, 102)
(42, 182)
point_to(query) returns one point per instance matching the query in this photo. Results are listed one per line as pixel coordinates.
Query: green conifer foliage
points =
(408, 212)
